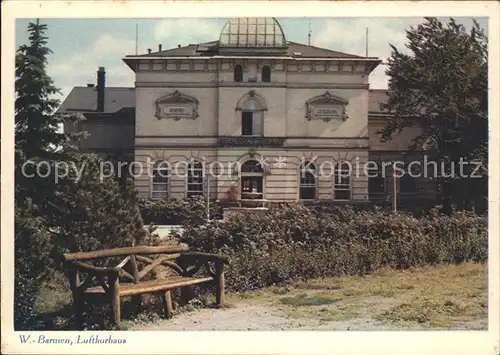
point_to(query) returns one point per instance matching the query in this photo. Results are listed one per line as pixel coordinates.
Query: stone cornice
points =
(152, 84)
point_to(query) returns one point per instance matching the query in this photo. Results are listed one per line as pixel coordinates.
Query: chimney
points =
(178, 46)
(149, 50)
(101, 84)
(159, 48)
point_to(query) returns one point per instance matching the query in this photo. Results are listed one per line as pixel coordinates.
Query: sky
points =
(80, 46)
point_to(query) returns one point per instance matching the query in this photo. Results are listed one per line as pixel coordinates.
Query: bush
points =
(293, 242)
(96, 212)
(91, 213)
(178, 211)
(32, 248)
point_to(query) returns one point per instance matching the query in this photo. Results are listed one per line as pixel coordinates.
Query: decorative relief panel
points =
(176, 106)
(326, 107)
(278, 66)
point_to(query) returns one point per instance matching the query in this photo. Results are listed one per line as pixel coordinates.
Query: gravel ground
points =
(260, 317)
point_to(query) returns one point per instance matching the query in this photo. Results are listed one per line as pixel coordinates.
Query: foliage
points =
(37, 126)
(178, 211)
(94, 211)
(291, 242)
(31, 232)
(57, 213)
(442, 87)
(37, 138)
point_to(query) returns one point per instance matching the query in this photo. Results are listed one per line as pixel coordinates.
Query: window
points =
(307, 185)
(238, 73)
(159, 187)
(342, 181)
(195, 179)
(376, 179)
(408, 181)
(266, 74)
(252, 119)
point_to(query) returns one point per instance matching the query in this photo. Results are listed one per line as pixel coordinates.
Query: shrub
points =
(91, 213)
(294, 242)
(96, 212)
(176, 211)
(31, 232)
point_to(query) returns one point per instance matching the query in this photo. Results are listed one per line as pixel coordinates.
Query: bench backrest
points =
(138, 250)
(128, 267)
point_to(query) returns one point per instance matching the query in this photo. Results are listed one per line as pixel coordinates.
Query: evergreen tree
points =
(36, 124)
(73, 213)
(442, 87)
(38, 129)
(37, 138)
(95, 210)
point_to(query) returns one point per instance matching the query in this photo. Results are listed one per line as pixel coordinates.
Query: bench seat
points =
(130, 276)
(130, 289)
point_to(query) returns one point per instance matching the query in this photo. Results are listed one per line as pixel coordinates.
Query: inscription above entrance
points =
(176, 106)
(326, 107)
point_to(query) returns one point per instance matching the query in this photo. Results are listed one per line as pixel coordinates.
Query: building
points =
(249, 116)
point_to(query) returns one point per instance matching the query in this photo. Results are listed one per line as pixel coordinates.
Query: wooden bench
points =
(126, 278)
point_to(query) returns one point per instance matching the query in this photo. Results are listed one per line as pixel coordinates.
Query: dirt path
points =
(246, 316)
(430, 298)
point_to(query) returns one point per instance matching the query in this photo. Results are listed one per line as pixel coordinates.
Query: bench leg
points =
(78, 304)
(167, 304)
(187, 294)
(219, 284)
(115, 302)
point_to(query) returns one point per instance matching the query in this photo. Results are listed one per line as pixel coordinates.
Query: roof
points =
(211, 49)
(375, 97)
(253, 32)
(84, 99)
(316, 52)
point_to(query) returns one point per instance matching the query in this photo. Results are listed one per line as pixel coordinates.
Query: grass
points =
(303, 299)
(431, 296)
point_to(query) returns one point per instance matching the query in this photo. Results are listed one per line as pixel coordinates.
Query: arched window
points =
(252, 166)
(342, 181)
(159, 185)
(307, 184)
(195, 179)
(238, 73)
(266, 74)
(252, 122)
(252, 179)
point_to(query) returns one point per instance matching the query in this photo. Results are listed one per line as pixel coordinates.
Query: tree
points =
(36, 124)
(442, 87)
(57, 216)
(38, 129)
(95, 210)
(37, 138)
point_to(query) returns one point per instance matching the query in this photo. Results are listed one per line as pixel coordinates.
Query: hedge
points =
(293, 242)
(191, 211)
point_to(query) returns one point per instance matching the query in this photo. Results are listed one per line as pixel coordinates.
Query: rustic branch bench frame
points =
(177, 258)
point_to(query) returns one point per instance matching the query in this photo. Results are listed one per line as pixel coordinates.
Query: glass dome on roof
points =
(252, 32)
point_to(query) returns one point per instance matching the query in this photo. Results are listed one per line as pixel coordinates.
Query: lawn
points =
(444, 296)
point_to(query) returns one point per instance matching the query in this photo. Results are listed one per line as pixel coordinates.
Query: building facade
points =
(250, 116)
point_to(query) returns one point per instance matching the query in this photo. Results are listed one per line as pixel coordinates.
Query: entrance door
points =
(252, 184)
